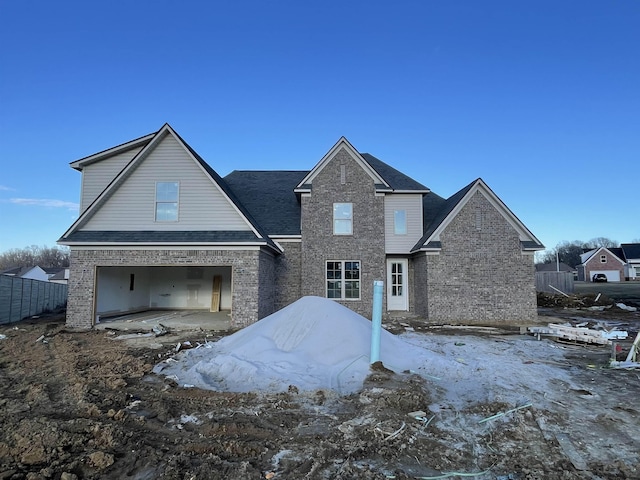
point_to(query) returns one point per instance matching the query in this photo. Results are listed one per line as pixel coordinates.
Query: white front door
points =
(397, 291)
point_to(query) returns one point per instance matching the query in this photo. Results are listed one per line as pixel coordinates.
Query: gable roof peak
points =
(452, 206)
(305, 184)
(154, 141)
(384, 176)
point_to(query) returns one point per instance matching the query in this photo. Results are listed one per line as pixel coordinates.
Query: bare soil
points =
(83, 405)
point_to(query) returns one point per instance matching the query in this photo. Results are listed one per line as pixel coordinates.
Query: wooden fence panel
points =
(563, 281)
(23, 298)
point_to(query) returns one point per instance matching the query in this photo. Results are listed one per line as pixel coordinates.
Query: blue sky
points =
(540, 99)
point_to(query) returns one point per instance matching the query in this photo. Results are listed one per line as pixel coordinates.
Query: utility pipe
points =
(376, 320)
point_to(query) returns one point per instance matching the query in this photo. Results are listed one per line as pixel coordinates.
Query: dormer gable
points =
(430, 241)
(306, 184)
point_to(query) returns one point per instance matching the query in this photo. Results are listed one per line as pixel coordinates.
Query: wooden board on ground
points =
(215, 293)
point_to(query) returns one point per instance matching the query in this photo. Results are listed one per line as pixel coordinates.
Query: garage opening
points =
(121, 290)
(612, 275)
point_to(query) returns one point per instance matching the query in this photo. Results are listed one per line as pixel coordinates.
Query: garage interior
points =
(134, 289)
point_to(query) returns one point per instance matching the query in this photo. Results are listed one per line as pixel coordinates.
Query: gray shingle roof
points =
(269, 197)
(229, 192)
(618, 252)
(437, 216)
(552, 267)
(154, 236)
(16, 271)
(395, 178)
(631, 250)
(432, 205)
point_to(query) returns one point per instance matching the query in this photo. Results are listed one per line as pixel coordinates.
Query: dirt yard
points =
(85, 405)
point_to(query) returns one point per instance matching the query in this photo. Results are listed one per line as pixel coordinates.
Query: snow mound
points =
(314, 343)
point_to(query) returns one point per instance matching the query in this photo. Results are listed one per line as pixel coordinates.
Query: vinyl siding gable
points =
(96, 176)
(412, 205)
(202, 206)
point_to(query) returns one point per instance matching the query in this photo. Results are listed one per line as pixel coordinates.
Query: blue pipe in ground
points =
(376, 320)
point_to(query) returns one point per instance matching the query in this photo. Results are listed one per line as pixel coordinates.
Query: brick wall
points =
(287, 274)
(266, 288)
(481, 275)
(594, 265)
(420, 304)
(319, 244)
(251, 269)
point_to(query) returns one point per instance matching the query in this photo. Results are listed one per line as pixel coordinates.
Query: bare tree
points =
(565, 252)
(569, 252)
(602, 242)
(35, 255)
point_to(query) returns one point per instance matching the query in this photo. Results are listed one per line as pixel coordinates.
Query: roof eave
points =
(412, 191)
(81, 163)
(165, 244)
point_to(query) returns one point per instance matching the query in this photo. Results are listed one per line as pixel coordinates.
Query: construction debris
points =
(632, 357)
(160, 330)
(500, 414)
(579, 334)
(622, 306)
(588, 301)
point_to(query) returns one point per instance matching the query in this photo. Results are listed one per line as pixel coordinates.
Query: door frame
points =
(399, 303)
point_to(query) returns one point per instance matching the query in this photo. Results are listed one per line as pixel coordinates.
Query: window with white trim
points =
(167, 201)
(343, 279)
(400, 222)
(342, 218)
(603, 259)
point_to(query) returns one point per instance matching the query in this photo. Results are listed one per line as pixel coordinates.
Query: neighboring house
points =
(553, 267)
(609, 261)
(159, 228)
(33, 273)
(557, 267)
(52, 271)
(631, 252)
(62, 276)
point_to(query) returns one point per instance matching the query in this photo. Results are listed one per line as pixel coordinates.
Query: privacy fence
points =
(22, 298)
(551, 282)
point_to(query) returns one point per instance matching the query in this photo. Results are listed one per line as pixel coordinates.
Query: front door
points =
(397, 292)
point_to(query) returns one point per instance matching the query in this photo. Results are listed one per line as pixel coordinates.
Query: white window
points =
(342, 218)
(167, 201)
(343, 280)
(400, 222)
(603, 259)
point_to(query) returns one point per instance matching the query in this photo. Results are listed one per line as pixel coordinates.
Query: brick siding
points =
(594, 265)
(320, 245)
(253, 292)
(287, 274)
(481, 275)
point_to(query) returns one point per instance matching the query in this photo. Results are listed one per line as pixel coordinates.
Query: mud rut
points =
(81, 405)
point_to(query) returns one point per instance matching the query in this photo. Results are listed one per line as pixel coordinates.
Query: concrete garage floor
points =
(173, 320)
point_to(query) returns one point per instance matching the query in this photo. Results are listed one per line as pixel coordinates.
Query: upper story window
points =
(603, 259)
(342, 218)
(400, 222)
(167, 201)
